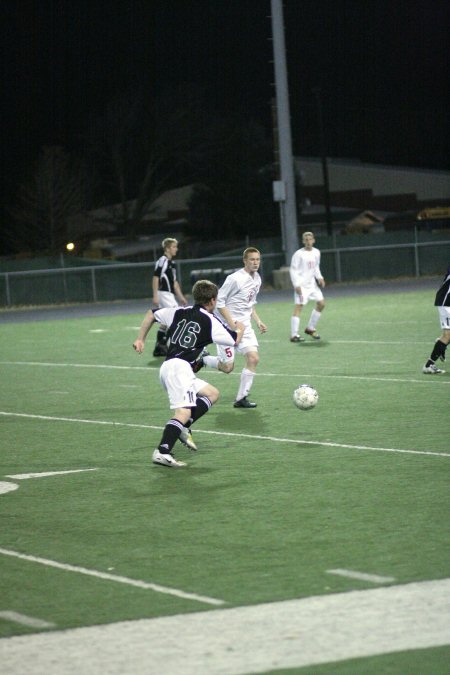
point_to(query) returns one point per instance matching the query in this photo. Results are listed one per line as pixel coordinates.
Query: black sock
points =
(202, 406)
(170, 436)
(439, 350)
(161, 337)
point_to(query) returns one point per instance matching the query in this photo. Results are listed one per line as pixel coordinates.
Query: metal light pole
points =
(326, 183)
(284, 189)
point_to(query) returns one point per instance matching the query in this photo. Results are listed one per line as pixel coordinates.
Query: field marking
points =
(364, 378)
(297, 441)
(25, 620)
(7, 487)
(44, 474)
(113, 577)
(243, 640)
(362, 576)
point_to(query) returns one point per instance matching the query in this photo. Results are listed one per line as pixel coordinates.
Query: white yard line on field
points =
(243, 640)
(366, 378)
(273, 439)
(45, 474)
(362, 576)
(145, 585)
(25, 620)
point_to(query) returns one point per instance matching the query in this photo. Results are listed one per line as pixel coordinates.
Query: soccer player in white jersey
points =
(307, 280)
(190, 329)
(236, 303)
(166, 289)
(442, 302)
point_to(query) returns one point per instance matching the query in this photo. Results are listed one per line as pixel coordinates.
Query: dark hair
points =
(203, 291)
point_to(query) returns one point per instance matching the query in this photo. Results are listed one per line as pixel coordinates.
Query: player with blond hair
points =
(236, 302)
(308, 281)
(166, 289)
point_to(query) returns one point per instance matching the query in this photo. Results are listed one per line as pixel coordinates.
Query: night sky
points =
(382, 67)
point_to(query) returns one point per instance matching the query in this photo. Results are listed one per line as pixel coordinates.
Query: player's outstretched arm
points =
(147, 323)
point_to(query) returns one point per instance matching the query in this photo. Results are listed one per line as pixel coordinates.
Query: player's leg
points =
(166, 299)
(315, 314)
(295, 320)
(251, 356)
(224, 361)
(177, 378)
(206, 396)
(440, 346)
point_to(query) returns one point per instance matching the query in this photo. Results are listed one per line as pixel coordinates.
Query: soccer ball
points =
(305, 397)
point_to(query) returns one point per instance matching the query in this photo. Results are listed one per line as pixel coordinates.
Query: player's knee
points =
(252, 360)
(226, 367)
(213, 394)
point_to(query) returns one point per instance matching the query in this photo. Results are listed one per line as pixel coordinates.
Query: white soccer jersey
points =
(238, 293)
(305, 268)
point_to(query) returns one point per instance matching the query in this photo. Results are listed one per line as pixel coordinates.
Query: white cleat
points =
(432, 370)
(166, 459)
(186, 438)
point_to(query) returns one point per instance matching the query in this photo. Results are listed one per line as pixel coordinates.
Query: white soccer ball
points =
(305, 397)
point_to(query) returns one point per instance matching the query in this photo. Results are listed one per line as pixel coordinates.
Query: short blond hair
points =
(168, 241)
(308, 234)
(250, 249)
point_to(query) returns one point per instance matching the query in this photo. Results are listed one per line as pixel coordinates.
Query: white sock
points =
(313, 319)
(245, 383)
(295, 325)
(211, 361)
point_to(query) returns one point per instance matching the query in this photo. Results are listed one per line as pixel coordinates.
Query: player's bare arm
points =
(239, 328)
(225, 312)
(261, 325)
(155, 287)
(147, 323)
(179, 293)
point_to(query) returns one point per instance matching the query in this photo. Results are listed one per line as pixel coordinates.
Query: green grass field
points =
(274, 498)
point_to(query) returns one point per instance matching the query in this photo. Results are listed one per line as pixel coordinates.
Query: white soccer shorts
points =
(248, 343)
(178, 379)
(444, 317)
(166, 299)
(307, 295)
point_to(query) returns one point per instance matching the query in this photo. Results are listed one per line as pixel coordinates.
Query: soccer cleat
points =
(244, 403)
(186, 438)
(432, 370)
(166, 459)
(160, 350)
(297, 338)
(313, 333)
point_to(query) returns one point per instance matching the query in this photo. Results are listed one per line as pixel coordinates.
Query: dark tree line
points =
(134, 152)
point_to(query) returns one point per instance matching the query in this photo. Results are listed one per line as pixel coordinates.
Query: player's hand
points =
(138, 346)
(239, 328)
(262, 327)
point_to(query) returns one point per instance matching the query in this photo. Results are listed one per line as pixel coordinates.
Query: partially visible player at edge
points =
(189, 330)
(307, 280)
(442, 302)
(166, 289)
(236, 302)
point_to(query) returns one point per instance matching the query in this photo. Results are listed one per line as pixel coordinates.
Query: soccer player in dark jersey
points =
(189, 330)
(166, 289)
(442, 302)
